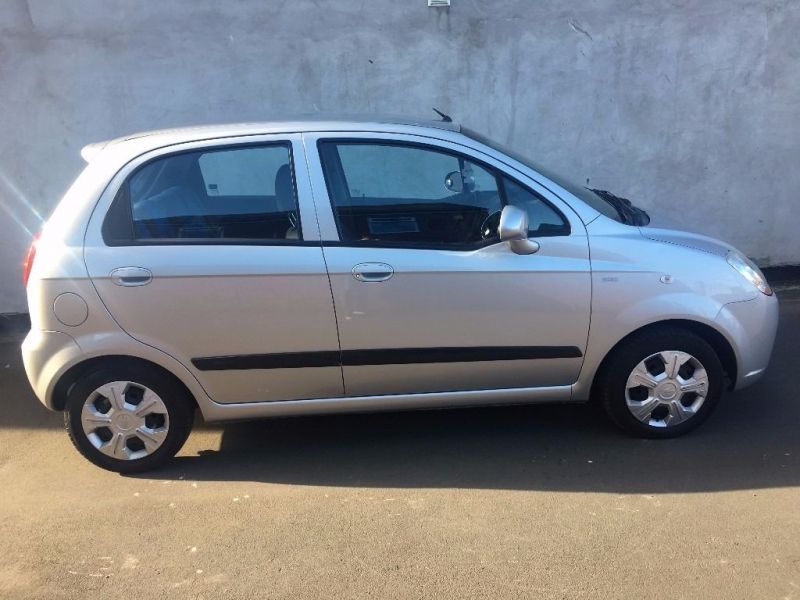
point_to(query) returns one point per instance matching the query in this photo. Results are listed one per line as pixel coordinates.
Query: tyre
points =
(128, 418)
(661, 383)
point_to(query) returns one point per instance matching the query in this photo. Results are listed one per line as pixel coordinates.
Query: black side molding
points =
(407, 356)
(285, 360)
(389, 356)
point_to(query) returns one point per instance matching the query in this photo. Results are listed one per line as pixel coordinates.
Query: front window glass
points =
(543, 219)
(414, 195)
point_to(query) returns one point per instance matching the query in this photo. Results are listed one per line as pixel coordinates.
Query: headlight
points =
(749, 271)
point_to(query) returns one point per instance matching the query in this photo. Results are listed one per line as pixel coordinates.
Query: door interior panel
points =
(390, 219)
(256, 225)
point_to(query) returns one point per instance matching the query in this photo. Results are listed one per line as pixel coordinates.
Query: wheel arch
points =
(75, 372)
(715, 339)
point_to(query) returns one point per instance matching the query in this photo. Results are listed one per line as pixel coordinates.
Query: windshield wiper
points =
(630, 214)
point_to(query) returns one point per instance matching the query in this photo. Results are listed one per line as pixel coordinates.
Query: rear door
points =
(211, 253)
(427, 298)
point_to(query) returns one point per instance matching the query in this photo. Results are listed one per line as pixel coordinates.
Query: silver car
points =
(296, 268)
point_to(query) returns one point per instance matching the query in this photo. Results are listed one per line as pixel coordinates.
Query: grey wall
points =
(691, 106)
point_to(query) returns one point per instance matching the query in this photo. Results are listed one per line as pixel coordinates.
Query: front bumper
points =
(46, 356)
(751, 327)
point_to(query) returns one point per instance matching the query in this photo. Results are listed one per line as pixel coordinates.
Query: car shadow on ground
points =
(751, 442)
(20, 407)
(559, 448)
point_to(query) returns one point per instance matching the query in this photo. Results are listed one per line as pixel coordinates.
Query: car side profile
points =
(309, 267)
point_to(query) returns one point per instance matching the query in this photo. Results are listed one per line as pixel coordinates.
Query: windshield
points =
(598, 203)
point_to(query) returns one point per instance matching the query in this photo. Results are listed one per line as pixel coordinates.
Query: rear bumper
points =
(46, 356)
(751, 327)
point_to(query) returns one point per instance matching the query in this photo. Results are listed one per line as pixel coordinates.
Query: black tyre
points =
(128, 418)
(661, 383)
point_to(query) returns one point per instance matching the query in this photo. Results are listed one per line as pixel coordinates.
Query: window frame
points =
(498, 174)
(122, 202)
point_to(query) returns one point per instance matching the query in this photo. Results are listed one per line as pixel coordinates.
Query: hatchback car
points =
(296, 268)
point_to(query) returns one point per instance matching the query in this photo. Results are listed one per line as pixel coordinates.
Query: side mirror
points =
(454, 182)
(514, 230)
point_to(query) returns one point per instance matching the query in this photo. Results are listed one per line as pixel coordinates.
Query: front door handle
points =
(131, 276)
(370, 272)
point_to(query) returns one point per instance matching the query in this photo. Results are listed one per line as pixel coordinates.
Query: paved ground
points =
(508, 502)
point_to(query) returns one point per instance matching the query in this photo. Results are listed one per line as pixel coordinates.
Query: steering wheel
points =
(490, 225)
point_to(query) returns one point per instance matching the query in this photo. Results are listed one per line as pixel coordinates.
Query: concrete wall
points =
(690, 106)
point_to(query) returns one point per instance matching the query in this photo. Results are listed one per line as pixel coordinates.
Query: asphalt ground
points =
(514, 502)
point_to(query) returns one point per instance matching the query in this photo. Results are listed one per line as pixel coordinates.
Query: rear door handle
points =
(131, 276)
(371, 272)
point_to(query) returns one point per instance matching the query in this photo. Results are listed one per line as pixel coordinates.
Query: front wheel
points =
(128, 418)
(661, 383)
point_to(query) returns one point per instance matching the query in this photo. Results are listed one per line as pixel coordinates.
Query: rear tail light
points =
(27, 264)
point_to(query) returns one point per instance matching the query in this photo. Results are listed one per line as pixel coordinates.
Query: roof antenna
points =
(445, 118)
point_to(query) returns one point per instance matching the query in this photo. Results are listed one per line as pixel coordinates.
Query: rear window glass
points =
(240, 193)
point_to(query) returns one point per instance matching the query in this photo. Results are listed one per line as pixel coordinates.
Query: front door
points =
(206, 254)
(427, 298)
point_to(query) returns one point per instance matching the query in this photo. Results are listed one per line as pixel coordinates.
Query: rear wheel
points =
(128, 418)
(661, 383)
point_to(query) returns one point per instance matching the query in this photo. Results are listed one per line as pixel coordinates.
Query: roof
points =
(161, 137)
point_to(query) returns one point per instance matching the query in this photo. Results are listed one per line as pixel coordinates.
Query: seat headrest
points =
(284, 190)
